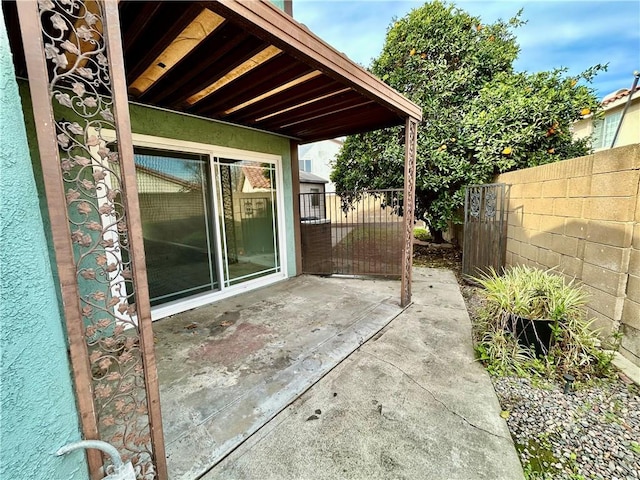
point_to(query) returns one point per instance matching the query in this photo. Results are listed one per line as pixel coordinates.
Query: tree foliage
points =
(479, 116)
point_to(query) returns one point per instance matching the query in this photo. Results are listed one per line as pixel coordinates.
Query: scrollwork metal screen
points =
(98, 259)
(485, 215)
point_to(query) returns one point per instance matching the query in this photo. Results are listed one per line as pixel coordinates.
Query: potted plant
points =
(536, 306)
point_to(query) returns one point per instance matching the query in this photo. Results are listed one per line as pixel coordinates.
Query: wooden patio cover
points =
(254, 66)
(246, 63)
(240, 61)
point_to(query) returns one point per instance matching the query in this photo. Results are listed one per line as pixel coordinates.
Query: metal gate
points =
(359, 238)
(485, 228)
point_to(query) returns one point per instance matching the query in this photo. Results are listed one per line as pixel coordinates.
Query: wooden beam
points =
(324, 104)
(295, 192)
(133, 27)
(171, 20)
(226, 63)
(314, 87)
(278, 71)
(278, 28)
(189, 72)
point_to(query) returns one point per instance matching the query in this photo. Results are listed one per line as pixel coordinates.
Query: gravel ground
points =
(591, 433)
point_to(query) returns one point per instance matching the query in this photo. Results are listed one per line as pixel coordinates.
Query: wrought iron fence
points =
(485, 224)
(358, 234)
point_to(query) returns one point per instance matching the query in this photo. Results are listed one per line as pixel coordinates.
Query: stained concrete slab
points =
(409, 403)
(228, 368)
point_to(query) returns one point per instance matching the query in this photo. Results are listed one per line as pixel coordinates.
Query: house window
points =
(305, 165)
(604, 130)
(315, 198)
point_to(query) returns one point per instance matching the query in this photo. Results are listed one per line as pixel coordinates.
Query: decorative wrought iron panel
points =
(76, 74)
(359, 236)
(485, 224)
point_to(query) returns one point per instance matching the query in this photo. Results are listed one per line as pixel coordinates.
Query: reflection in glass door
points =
(175, 205)
(248, 219)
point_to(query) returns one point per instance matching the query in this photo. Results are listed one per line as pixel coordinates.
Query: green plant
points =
(480, 116)
(532, 293)
(526, 292)
(422, 234)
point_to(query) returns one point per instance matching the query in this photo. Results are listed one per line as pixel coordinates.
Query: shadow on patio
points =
(228, 368)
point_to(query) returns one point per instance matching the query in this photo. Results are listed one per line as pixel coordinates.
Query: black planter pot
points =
(532, 333)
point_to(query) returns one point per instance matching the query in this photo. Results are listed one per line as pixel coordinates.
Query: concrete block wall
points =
(582, 216)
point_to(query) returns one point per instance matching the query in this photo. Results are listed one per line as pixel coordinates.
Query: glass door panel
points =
(174, 190)
(247, 206)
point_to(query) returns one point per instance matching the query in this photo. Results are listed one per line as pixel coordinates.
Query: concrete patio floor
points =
(410, 403)
(228, 368)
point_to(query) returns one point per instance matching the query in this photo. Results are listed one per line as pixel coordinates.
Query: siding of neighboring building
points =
(630, 129)
(37, 405)
(321, 155)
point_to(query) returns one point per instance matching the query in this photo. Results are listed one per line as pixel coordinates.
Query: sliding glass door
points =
(188, 252)
(175, 205)
(247, 206)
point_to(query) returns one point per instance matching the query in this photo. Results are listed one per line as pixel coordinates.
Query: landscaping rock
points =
(591, 433)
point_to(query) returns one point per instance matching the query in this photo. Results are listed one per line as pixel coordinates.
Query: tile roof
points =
(256, 177)
(618, 94)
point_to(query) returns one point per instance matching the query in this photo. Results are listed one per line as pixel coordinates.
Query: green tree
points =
(479, 116)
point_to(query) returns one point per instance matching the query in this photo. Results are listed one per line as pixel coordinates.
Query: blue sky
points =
(559, 33)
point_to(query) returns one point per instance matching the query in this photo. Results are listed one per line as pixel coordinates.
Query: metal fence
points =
(352, 238)
(485, 228)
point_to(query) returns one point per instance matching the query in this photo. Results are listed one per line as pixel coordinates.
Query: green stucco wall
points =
(37, 404)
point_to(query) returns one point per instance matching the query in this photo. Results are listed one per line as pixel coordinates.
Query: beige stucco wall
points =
(582, 216)
(630, 129)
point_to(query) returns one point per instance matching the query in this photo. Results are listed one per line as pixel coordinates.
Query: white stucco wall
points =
(321, 154)
(630, 130)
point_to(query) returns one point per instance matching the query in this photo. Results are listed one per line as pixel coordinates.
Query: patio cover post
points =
(54, 187)
(411, 140)
(79, 44)
(295, 189)
(136, 252)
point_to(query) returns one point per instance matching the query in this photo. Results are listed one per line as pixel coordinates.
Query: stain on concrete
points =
(244, 341)
(224, 321)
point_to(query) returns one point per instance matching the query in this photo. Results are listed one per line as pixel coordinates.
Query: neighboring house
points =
(312, 197)
(318, 157)
(129, 131)
(604, 126)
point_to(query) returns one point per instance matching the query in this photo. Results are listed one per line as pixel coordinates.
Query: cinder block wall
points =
(582, 216)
